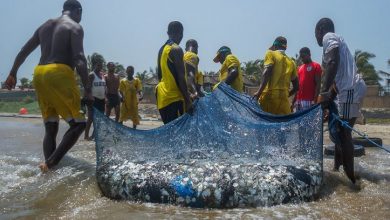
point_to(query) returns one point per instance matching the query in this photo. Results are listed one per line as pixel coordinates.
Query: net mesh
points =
(228, 153)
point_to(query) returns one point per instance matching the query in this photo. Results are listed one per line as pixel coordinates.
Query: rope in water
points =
(362, 134)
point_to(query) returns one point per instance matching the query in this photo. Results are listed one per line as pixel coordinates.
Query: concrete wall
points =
(16, 95)
(373, 100)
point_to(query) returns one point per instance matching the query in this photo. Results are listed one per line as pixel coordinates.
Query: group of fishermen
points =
(61, 41)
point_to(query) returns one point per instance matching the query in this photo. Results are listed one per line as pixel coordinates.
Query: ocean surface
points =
(70, 191)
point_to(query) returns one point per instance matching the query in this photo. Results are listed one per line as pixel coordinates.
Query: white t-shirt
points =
(98, 86)
(347, 79)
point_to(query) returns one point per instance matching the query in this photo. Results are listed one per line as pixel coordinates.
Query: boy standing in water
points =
(61, 41)
(112, 96)
(129, 88)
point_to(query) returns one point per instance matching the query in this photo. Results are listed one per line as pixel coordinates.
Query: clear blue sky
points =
(131, 32)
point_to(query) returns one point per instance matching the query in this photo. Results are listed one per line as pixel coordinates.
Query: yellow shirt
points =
(199, 78)
(129, 108)
(167, 89)
(231, 61)
(191, 59)
(283, 71)
(274, 98)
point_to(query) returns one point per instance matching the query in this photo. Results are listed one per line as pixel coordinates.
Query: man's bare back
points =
(55, 40)
(61, 41)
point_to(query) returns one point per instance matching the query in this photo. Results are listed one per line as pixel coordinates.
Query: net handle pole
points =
(363, 135)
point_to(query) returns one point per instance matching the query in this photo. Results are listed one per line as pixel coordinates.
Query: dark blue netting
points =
(229, 153)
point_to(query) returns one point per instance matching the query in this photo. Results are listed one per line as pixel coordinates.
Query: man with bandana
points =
(279, 71)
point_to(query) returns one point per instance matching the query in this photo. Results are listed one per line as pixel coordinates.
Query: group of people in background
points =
(112, 93)
(61, 42)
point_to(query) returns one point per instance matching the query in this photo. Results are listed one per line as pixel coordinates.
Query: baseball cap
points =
(223, 49)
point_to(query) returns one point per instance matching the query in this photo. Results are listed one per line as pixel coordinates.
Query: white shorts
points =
(349, 109)
(301, 105)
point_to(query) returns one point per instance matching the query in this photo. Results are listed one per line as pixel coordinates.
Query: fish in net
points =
(227, 153)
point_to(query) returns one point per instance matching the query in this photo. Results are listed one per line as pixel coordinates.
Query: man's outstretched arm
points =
(26, 50)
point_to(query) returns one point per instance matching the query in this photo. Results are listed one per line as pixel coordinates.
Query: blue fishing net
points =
(227, 153)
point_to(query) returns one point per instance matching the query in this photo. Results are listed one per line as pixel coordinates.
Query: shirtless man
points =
(61, 42)
(112, 95)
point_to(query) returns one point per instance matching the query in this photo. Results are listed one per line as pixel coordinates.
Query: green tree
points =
(98, 57)
(142, 76)
(367, 69)
(24, 82)
(119, 68)
(153, 72)
(253, 69)
(386, 75)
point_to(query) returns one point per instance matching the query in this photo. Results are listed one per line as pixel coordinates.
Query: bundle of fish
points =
(207, 184)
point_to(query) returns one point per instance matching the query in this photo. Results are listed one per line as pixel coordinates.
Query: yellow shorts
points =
(57, 92)
(276, 104)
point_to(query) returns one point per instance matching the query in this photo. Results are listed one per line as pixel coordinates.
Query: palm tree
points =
(142, 76)
(98, 57)
(367, 69)
(386, 75)
(253, 69)
(24, 83)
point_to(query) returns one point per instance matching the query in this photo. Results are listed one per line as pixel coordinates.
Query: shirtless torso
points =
(61, 42)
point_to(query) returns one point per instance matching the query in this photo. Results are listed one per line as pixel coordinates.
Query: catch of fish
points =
(208, 184)
(228, 153)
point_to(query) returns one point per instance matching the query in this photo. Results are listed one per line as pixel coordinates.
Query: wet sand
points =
(70, 191)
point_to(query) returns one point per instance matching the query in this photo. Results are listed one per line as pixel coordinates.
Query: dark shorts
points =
(172, 111)
(99, 104)
(113, 100)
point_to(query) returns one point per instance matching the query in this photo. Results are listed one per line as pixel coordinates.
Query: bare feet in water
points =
(44, 168)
